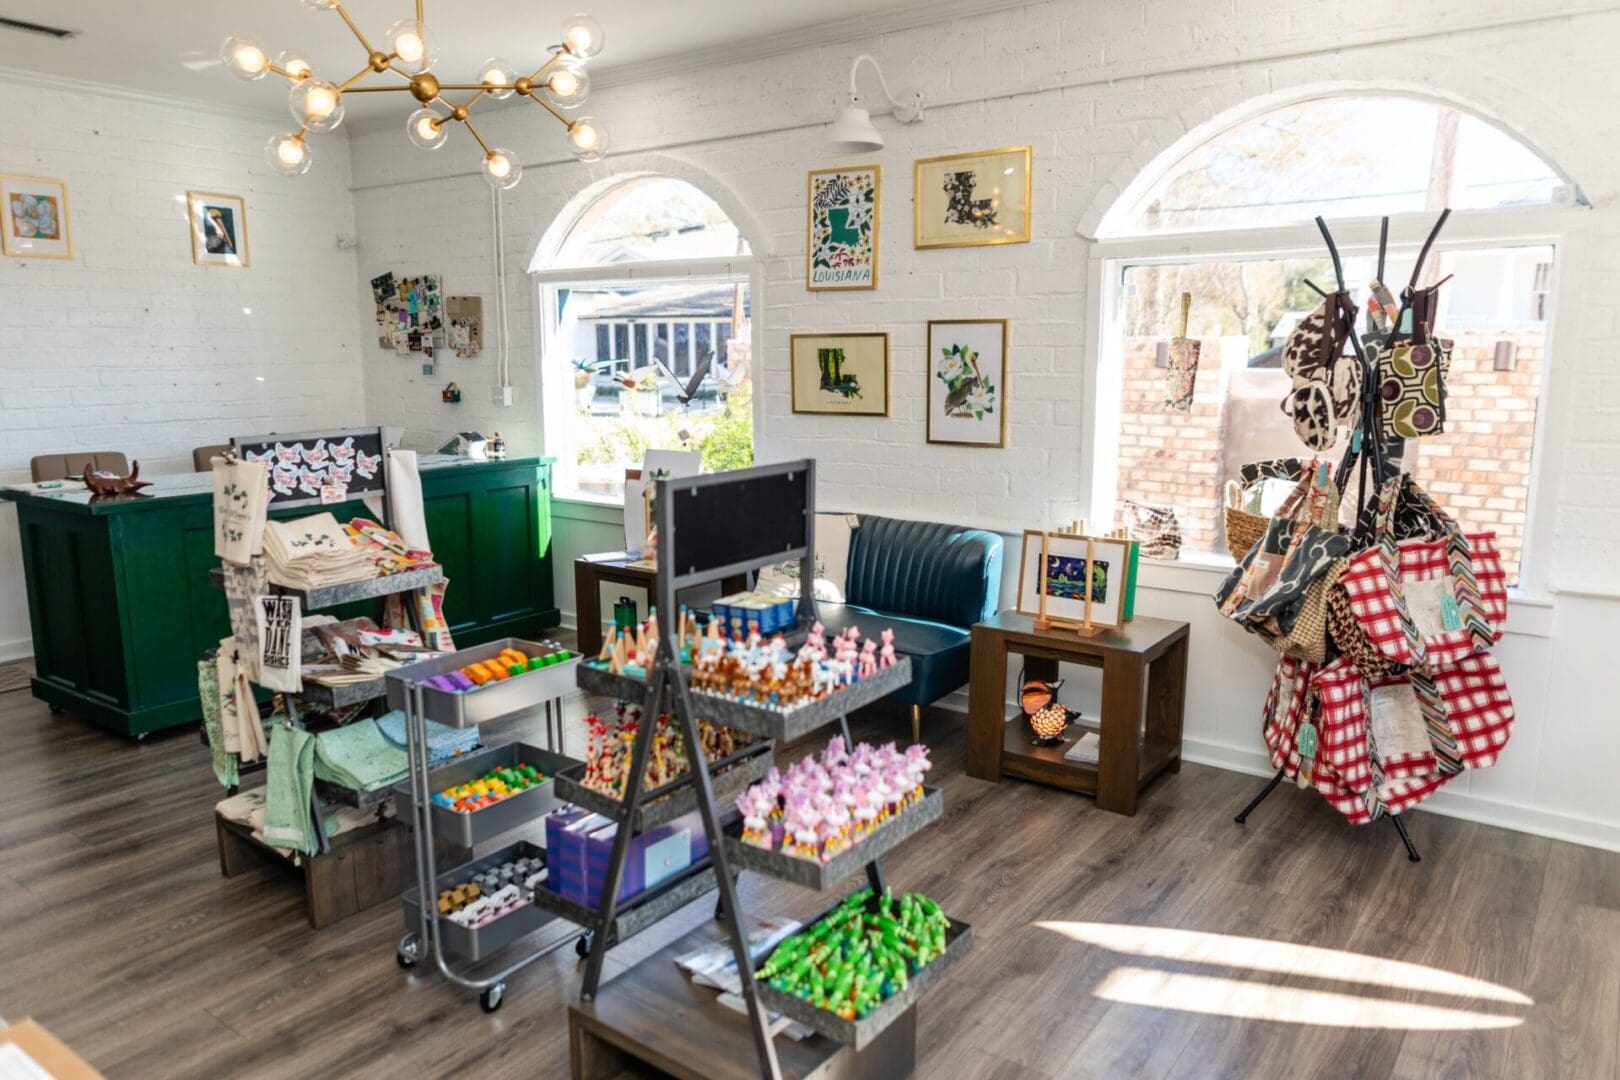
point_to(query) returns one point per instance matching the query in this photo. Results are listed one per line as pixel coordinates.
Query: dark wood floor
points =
(1172, 944)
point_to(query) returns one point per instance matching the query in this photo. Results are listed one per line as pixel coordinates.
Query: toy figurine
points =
(868, 662)
(886, 657)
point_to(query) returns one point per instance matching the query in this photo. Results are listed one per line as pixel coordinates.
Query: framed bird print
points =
(968, 200)
(967, 382)
(842, 251)
(841, 374)
(34, 218)
(218, 229)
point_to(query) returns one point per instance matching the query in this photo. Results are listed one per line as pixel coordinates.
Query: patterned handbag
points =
(1412, 373)
(1245, 524)
(1264, 592)
(1155, 527)
(1349, 639)
(1448, 590)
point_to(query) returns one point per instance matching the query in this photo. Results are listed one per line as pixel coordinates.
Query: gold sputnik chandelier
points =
(409, 51)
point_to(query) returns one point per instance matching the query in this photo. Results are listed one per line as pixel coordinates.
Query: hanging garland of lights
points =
(410, 52)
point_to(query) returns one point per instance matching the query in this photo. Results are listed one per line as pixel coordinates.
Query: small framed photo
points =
(841, 374)
(969, 200)
(34, 221)
(967, 382)
(218, 229)
(1074, 566)
(842, 244)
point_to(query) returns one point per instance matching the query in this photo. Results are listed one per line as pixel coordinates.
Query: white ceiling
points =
(171, 46)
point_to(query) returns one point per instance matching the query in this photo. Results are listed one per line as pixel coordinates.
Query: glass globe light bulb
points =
(295, 64)
(244, 55)
(587, 140)
(316, 104)
(414, 45)
(288, 154)
(501, 169)
(319, 5)
(427, 129)
(582, 36)
(498, 71)
(568, 86)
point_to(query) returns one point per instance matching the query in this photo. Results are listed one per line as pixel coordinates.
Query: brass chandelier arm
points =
(545, 67)
(419, 10)
(477, 136)
(567, 123)
(377, 89)
(357, 76)
(285, 74)
(355, 30)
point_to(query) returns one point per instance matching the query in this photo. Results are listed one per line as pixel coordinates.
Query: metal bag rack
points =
(700, 541)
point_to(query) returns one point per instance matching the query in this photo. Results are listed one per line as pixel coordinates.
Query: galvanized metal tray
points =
(784, 724)
(860, 1033)
(729, 776)
(474, 944)
(642, 910)
(492, 701)
(828, 875)
(337, 697)
(468, 830)
(330, 596)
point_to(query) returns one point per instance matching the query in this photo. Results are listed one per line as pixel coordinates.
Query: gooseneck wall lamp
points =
(852, 132)
(409, 52)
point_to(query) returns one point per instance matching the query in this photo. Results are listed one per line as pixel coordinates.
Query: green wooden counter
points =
(121, 608)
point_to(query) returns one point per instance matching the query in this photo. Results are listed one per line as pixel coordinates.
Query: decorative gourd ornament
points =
(1046, 717)
(1050, 722)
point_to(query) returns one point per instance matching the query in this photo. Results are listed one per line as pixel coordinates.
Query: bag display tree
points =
(1385, 688)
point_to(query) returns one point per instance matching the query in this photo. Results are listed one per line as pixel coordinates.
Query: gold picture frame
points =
(219, 232)
(947, 207)
(50, 197)
(818, 239)
(953, 422)
(824, 386)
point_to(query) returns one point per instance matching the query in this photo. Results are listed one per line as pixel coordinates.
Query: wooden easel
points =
(1043, 621)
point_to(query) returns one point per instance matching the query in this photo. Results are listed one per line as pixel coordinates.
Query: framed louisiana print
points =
(218, 229)
(34, 222)
(842, 251)
(967, 382)
(841, 374)
(966, 200)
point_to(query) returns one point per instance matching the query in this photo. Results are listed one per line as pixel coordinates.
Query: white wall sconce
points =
(1507, 355)
(852, 131)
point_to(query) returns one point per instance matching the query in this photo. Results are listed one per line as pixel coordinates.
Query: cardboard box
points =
(27, 1043)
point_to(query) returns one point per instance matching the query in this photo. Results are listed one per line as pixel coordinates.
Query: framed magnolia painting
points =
(841, 374)
(967, 381)
(965, 200)
(218, 229)
(34, 221)
(842, 251)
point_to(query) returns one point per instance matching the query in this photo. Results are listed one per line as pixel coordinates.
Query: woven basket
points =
(1243, 529)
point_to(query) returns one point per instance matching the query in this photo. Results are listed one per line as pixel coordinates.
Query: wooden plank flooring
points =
(1154, 946)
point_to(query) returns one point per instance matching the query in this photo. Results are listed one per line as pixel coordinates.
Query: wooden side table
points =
(1144, 694)
(588, 576)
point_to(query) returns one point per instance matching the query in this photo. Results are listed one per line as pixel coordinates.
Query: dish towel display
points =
(208, 695)
(280, 638)
(444, 742)
(289, 819)
(315, 551)
(358, 756)
(241, 494)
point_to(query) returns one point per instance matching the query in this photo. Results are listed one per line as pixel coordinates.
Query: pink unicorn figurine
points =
(886, 657)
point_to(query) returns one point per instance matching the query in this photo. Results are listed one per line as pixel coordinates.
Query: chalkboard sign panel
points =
(345, 464)
(750, 516)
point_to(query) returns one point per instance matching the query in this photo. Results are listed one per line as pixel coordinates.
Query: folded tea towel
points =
(289, 778)
(358, 757)
(444, 742)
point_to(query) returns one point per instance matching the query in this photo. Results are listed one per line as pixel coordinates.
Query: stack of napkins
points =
(315, 551)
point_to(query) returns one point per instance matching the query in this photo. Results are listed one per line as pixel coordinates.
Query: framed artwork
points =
(1074, 566)
(34, 221)
(967, 382)
(841, 374)
(218, 229)
(967, 200)
(842, 212)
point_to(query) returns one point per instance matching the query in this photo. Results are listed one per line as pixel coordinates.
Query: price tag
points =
(1450, 613)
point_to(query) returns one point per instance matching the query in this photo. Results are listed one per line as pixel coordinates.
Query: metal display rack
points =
(535, 689)
(698, 544)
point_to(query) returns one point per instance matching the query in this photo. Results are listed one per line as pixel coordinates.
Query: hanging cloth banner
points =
(280, 634)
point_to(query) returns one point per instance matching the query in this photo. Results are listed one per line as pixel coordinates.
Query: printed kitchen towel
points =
(280, 643)
(241, 494)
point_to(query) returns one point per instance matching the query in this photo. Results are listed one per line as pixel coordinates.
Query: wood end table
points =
(1144, 696)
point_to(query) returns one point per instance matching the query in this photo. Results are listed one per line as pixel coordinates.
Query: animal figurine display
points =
(106, 484)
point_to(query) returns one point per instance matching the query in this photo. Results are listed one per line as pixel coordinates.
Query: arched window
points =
(1238, 208)
(647, 342)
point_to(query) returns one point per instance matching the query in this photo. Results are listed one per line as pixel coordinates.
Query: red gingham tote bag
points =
(1449, 591)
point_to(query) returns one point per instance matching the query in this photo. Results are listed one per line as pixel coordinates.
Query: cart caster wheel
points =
(56, 710)
(141, 738)
(582, 946)
(409, 951)
(490, 999)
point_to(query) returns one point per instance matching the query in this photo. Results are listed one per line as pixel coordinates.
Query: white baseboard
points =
(18, 649)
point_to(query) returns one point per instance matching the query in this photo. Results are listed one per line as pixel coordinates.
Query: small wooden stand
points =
(1043, 621)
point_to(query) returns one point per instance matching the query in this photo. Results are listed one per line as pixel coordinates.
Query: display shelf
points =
(859, 1034)
(783, 724)
(469, 830)
(729, 776)
(338, 697)
(492, 701)
(347, 592)
(813, 874)
(640, 911)
(476, 943)
(337, 793)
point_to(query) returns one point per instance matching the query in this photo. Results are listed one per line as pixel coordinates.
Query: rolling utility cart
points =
(652, 1014)
(431, 933)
